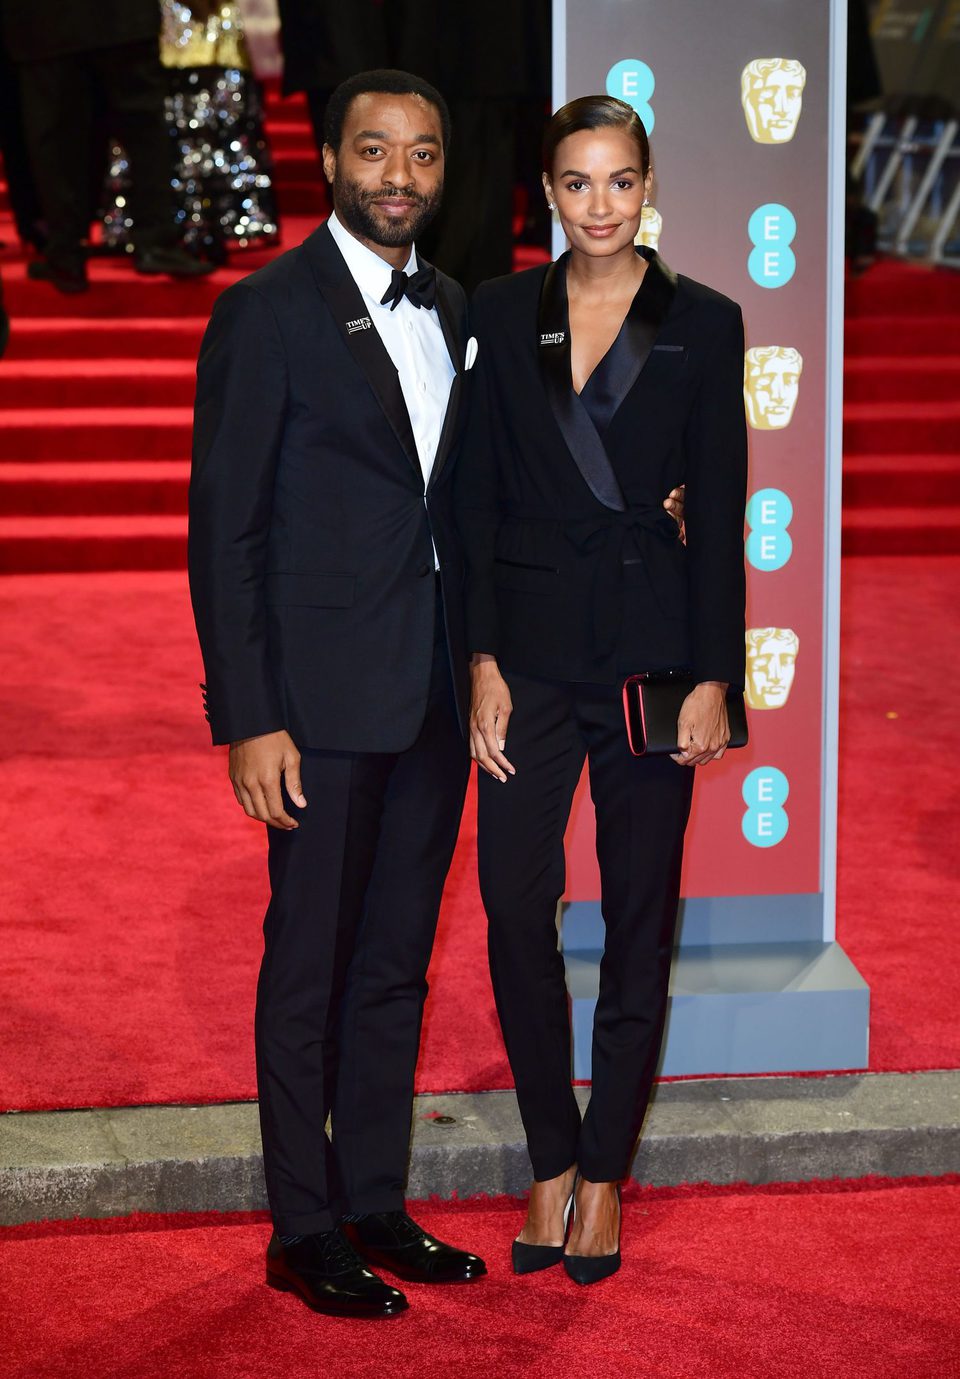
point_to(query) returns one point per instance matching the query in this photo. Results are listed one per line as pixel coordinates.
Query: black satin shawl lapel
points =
(453, 335)
(553, 354)
(626, 358)
(361, 336)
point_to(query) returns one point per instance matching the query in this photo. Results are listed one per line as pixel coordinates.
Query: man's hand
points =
(256, 765)
(490, 710)
(703, 729)
(673, 503)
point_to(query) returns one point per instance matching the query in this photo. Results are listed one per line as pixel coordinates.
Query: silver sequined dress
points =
(223, 182)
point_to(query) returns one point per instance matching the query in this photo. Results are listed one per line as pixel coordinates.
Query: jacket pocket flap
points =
(530, 579)
(310, 590)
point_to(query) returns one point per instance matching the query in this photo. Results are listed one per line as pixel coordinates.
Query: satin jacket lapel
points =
(453, 336)
(643, 324)
(361, 337)
(553, 355)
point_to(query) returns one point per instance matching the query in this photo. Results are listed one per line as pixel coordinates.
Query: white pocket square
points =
(470, 356)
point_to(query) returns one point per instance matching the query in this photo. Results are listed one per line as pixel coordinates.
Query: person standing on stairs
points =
(325, 573)
(76, 60)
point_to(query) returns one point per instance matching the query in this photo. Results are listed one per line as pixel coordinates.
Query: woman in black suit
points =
(603, 381)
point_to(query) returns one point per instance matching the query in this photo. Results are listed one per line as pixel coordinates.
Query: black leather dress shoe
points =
(391, 1240)
(67, 276)
(328, 1275)
(172, 260)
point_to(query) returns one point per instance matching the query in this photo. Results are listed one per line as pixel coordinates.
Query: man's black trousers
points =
(355, 893)
(642, 806)
(65, 99)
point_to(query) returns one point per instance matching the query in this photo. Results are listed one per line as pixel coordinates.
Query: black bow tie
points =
(419, 287)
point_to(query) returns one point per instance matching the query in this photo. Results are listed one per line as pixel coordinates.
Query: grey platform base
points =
(62, 1164)
(744, 1008)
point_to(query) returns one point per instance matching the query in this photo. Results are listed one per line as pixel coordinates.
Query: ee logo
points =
(765, 793)
(772, 229)
(769, 514)
(633, 81)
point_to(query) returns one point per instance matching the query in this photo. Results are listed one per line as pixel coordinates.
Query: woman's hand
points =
(674, 504)
(703, 729)
(490, 710)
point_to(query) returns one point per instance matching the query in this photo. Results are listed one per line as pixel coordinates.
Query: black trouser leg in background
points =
(57, 98)
(127, 83)
(347, 937)
(642, 808)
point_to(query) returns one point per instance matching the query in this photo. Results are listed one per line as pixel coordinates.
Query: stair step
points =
(296, 165)
(110, 294)
(900, 481)
(901, 334)
(918, 378)
(93, 337)
(95, 382)
(879, 428)
(292, 136)
(83, 433)
(898, 286)
(95, 488)
(921, 531)
(46, 545)
(306, 196)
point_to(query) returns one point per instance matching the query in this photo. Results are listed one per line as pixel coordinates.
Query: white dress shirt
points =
(414, 341)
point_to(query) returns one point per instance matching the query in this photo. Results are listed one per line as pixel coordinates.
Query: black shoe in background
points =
(67, 276)
(391, 1240)
(172, 260)
(326, 1273)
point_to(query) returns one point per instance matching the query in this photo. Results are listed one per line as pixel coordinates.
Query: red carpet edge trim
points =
(634, 1194)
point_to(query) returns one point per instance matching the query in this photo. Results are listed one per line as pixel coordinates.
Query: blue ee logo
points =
(772, 229)
(769, 544)
(632, 81)
(765, 793)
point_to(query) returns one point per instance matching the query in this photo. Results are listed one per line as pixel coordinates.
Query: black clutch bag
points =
(652, 704)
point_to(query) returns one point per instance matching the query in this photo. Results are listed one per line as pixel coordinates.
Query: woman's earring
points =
(646, 201)
(551, 205)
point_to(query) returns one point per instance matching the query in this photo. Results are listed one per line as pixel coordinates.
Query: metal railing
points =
(905, 167)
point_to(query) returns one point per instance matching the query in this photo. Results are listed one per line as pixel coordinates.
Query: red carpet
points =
(133, 887)
(738, 1284)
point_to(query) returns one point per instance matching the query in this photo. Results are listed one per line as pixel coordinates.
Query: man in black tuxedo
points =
(326, 578)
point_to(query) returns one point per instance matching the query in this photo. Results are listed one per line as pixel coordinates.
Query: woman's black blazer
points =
(574, 571)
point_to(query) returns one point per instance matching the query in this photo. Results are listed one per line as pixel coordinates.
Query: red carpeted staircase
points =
(901, 462)
(96, 394)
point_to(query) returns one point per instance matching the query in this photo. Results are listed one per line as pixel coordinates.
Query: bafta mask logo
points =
(771, 93)
(651, 226)
(771, 385)
(771, 664)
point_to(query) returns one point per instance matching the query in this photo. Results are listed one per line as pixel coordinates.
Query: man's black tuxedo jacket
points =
(311, 564)
(558, 585)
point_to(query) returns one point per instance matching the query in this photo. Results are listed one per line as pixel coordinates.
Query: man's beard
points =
(354, 207)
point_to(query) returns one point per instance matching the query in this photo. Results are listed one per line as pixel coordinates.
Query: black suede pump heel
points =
(592, 1268)
(530, 1259)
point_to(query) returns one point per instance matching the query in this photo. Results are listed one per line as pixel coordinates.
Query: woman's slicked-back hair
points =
(594, 112)
(388, 82)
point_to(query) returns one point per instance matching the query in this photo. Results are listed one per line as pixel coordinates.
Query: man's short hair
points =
(386, 81)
